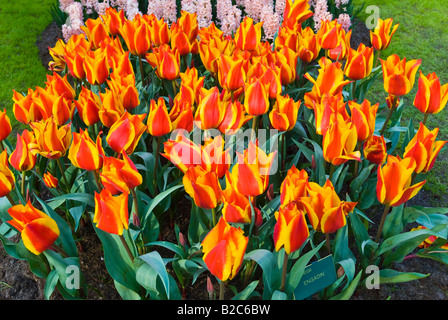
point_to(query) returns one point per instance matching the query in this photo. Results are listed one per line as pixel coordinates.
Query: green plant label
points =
(317, 276)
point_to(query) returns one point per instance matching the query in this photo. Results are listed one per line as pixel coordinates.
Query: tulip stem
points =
(377, 58)
(221, 290)
(383, 219)
(327, 241)
(97, 180)
(58, 160)
(391, 111)
(135, 200)
(425, 118)
(156, 156)
(140, 62)
(284, 271)
(254, 128)
(23, 184)
(126, 246)
(11, 201)
(214, 216)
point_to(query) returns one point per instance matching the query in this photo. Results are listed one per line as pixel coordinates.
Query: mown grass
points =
(420, 35)
(21, 22)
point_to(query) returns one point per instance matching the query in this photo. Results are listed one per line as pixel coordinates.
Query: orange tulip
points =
(399, 75)
(125, 134)
(332, 108)
(203, 187)
(296, 12)
(137, 36)
(95, 31)
(288, 37)
(224, 248)
(181, 115)
(27, 108)
(113, 20)
(189, 24)
(234, 118)
(59, 86)
(286, 60)
(394, 181)
(57, 53)
(211, 50)
(248, 35)
(22, 159)
(431, 96)
(359, 62)
(216, 158)
(330, 80)
(166, 61)
(50, 180)
(111, 212)
(182, 152)
(284, 113)
(74, 54)
(294, 186)
(7, 178)
(210, 111)
(309, 47)
(181, 41)
(380, 37)
(340, 52)
(88, 106)
(329, 34)
(123, 86)
(325, 210)
(251, 173)
(38, 230)
(119, 175)
(256, 99)
(429, 241)
(424, 148)
(159, 122)
(51, 141)
(231, 74)
(84, 153)
(111, 109)
(363, 116)
(159, 30)
(5, 125)
(339, 143)
(96, 67)
(236, 206)
(375, 149)
(291, 229)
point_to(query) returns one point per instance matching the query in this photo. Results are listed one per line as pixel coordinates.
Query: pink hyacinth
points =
(345, 21)
(204, 11)
(169, 10)
(155, 7)
(271, 21)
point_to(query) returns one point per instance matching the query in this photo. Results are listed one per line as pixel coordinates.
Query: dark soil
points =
(17, 282)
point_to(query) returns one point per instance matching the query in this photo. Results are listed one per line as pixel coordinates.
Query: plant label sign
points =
(317, 276)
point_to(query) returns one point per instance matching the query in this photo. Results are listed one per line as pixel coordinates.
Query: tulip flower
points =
(224, 247)
(181, 41)
(309, 47)
(111, 109)
(26, 108)
(399, 75)
(328, 34)
(203, 187)
(291, 229)
(248, 34)
(181, 115)
(424, 148)
(284, 113)
(123, 86)
(431, 96)
(363, 116)
(190, 79)
(125, 134)
(189, 24)
(88, 106)
(288, 37)
(234, 118)
(159, 122)
(5, 125)
(286, 60)
(95, 31)
(22, 159)
(339, 143)
(340, 52)
(294, 186)
(429, 241)
(380, 37)
(51, 141)
(375, 149)
(159, 30)
(74, 54)
(256, 99)
(38, 230)
(325, 210)
(113, 20)
(166, 61)
(394, 181)
(236, 206)
(296, 12)
(50, 180)
(84, 153)
(182, 152)
(210, 50)
(210, 111)
(359, 62)
(57, 53)
(111, 212)
(7, 178)
(231, 74)
(251, 173)
(331, 108)
(59, 86)
(215, 157)
(96, 67)
(119, 175)
(330, 80)
(136, 35)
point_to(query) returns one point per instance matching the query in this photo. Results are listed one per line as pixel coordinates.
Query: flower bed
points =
(271, 146)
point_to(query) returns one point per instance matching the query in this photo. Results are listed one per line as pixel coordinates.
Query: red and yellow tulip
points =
(203, 187)
(359, 62)
(125, 133)
(210, 111)
(283, 115)
(51, 141)
(38, 230)
(294, 186)
(339, 143)
(159, 122)
(381, 36)
(22, 159)
(375, 149)
(50, 180)
(119, 175)
(5, 125)
(296, 12)
(136, 35)
(166, 61)
(399, 75)
(256, 98)
(363, 116)
(88, 106)
(224, 248)
(84, 153)
(7, 178)
(248, 35)
(431, 96)
(111, 212)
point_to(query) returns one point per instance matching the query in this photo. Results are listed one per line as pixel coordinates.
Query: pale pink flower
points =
(132, 9)
(169, 10)
(271, 21)
(231, 20)
(204, 13)
(63, 4)
(155, 7)
(345, 21)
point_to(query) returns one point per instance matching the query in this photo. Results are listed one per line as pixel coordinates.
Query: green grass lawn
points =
(422, 34)
(21, 22)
